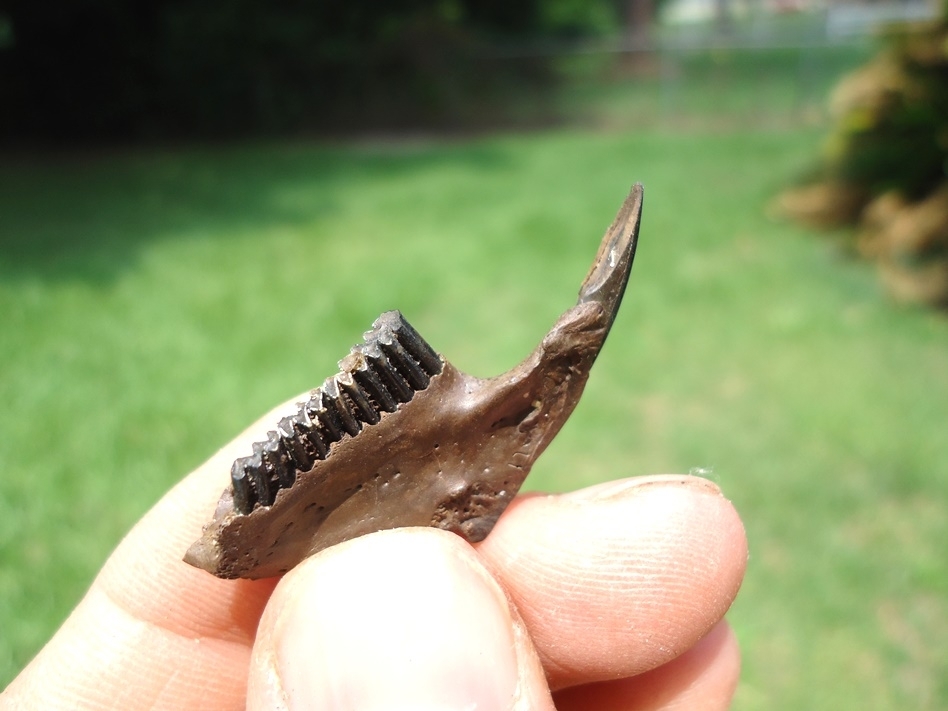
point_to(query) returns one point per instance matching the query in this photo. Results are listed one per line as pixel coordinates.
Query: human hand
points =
(611, 597)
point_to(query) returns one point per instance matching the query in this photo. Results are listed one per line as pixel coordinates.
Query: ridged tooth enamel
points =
(391, 379)
(384, 371)
(316, 447)
(363, 407)
(254, 468)
(407, 366)
(244, 495)
(369, 381)
(334, 400)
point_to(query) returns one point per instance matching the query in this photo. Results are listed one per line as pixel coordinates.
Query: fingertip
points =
(660, 559)
(399, 619)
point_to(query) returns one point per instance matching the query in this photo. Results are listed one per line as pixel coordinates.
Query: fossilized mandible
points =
(400, 437)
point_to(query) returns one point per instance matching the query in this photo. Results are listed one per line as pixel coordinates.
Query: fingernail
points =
(393, 627)
(625, 487)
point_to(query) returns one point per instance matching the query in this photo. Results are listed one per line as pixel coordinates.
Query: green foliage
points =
(578, 17)
(885, 168)
(154, 303)
(892, 116)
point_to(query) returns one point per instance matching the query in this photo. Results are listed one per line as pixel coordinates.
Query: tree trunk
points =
(639, 21)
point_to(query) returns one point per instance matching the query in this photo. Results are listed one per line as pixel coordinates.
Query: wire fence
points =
(758, 68)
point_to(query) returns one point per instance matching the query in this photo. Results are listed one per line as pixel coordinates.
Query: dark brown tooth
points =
(309, 437)
(330, 426)
(417, 346)
(407, 366)
(277, 462)
(270, 456)
(268, 470)
(394, 382)
(244, 496)
(294, 449)
(285, 428)
(362, 407)
(259, 482)
(369, 380)
(388, 368)
(333, 399)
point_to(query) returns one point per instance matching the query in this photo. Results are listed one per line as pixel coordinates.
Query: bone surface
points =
(400, 437)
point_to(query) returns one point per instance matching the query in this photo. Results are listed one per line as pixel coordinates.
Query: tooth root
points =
(363, 407)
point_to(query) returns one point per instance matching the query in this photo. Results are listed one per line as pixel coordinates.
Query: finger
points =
(702, 679)
(621, 578)
(402, 619)
(153, 632)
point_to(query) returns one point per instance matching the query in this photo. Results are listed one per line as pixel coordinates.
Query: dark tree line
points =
(114, 69)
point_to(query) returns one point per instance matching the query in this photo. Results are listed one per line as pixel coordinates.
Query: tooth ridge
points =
(411, 341)
(391, 364)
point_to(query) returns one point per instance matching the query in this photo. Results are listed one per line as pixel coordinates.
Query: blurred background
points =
(202, 205)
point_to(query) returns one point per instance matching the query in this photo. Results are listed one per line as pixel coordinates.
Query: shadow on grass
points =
(89, 216)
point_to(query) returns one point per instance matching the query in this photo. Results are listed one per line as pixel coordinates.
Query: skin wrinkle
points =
(146, 576)
(198, 613)
(212, 647)
(529, 668)
(101, 690)
(702, 679)
(672, 609)
(162, 625)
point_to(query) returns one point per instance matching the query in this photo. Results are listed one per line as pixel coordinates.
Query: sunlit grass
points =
(154, 303)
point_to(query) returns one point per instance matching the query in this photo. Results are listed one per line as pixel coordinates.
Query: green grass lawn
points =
(153, 303)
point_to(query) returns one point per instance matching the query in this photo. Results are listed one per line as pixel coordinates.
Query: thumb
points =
(403, 619)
